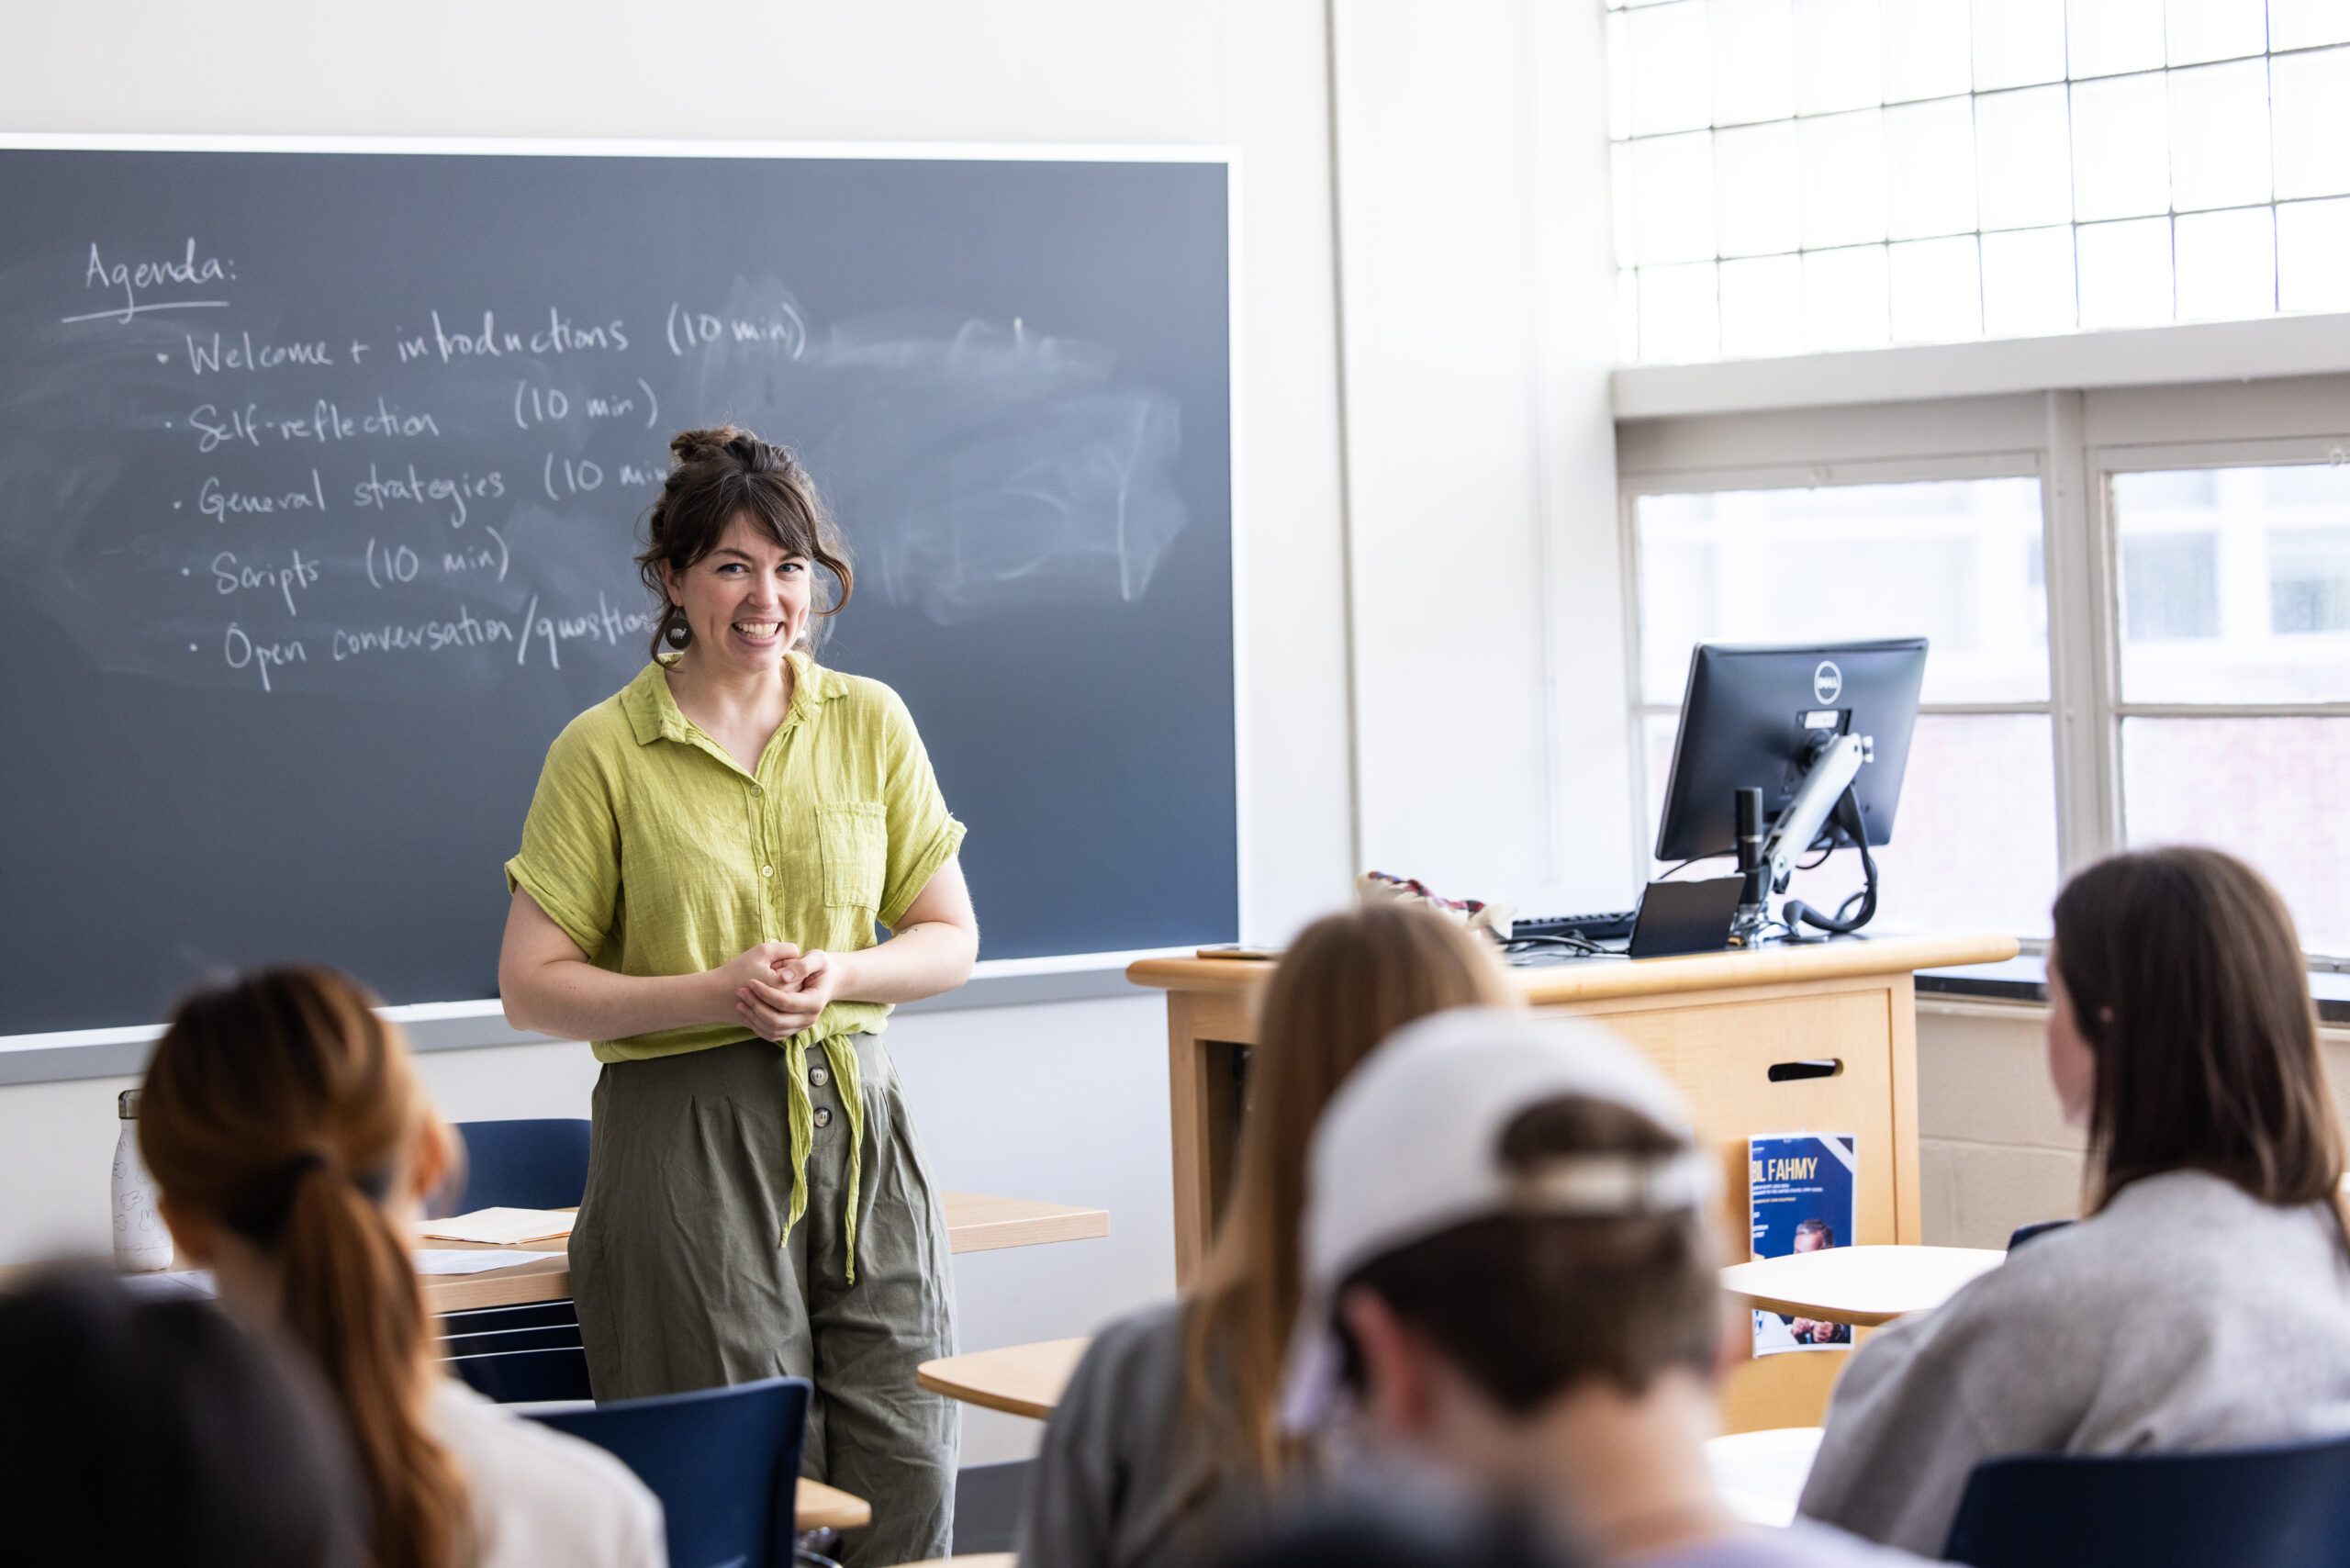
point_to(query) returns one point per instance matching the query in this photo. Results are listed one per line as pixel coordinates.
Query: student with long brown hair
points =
(1167, 1439)
(293, 1146)
(2204, 1303)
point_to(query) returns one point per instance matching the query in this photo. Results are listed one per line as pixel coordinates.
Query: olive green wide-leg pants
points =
(681, 1283)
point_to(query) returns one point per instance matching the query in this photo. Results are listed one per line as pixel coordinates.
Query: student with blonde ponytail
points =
(1165, 1444)
(293, 1146)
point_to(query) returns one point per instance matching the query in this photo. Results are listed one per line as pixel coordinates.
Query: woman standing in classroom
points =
(702, 870)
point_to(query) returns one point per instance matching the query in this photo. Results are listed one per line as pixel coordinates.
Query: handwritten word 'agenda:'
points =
(130, 277)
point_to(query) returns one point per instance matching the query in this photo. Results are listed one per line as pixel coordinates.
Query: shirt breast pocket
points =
(855, 837)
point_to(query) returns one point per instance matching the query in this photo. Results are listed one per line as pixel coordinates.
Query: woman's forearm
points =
(573, 1000)
(918, 962)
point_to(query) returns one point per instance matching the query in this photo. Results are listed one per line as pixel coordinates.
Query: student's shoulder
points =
(2179, 1233)
(1131, 1371)
(1142, 1345)
(537, 1491)
(1803, 1544)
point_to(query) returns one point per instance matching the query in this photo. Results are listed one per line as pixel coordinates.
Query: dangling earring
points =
(677, 634)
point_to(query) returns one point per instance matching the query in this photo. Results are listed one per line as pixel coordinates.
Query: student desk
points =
(1861, 1285)
(1819, 1036)
(1019, 1379)
(819, 1506)
(975, 1223)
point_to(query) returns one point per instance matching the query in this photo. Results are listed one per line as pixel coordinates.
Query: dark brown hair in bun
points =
(716, 475)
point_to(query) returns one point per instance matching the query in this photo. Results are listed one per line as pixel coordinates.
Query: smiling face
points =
(747, 602)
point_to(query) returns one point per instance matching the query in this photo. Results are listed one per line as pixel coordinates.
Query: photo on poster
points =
(1800, 1199)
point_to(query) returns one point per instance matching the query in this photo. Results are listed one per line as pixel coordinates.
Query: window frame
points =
(2073, 442)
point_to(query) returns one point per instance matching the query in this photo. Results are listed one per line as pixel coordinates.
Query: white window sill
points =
(2217, 351)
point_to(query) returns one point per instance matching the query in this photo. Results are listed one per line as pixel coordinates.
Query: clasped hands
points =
(778, 990)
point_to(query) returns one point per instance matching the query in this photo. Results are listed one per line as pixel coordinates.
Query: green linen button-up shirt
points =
(658, 855)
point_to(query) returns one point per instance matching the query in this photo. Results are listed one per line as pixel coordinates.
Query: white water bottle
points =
(141, 1245)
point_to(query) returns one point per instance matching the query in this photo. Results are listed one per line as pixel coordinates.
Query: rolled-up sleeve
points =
(570, 860)
(924, 836)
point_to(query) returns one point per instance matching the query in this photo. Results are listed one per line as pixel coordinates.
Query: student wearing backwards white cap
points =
(1509, 1269)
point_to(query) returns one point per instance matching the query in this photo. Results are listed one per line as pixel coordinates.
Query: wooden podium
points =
(1819, 1038)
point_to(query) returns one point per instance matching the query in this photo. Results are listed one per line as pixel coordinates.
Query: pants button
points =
(818, 1077)
(823, 1115)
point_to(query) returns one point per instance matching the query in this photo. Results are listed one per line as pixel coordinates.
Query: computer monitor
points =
(1755, 716)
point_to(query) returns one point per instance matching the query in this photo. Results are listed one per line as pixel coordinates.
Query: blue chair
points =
(2024, 1233)
(513, 1354)
(724, 1462)
(518, 1354)
(529, 1164)
(2287, 1506)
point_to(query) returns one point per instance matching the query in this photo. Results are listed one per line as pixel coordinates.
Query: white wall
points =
(1477, 288)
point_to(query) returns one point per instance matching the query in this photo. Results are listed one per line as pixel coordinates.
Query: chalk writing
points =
(219, 354)
(560, 335)
(605, 624)
(783, 329)
(131, 276)
(376, 490)
(326, 422)
(243, 653)
(480, 558)
(400, 564)
(544, 405)
(230, 577)
(429, 636)
(991, 468)
(576, 476)
(218, 504)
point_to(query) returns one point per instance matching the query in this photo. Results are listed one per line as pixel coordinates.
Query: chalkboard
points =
(320, 473)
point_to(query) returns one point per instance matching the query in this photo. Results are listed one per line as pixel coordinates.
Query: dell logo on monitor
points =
(1827, 682)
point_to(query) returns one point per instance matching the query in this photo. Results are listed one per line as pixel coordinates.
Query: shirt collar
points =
(653, 715)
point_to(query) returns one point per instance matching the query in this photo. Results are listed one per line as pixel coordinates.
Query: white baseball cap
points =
(1410, 1147)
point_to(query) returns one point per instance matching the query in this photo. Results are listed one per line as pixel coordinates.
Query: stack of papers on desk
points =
(501, 1227)
(470, 1260)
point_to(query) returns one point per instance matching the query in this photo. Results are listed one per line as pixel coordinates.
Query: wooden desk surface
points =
(1019, 1379)
(975, 1223)
(1859, 1285)
(828, 1508)
(1594, 980)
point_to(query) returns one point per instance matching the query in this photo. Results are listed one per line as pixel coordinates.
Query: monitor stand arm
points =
(1831, 772)
(1827, 777)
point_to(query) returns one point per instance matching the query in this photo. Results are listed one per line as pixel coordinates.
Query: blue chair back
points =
(2287, 1506)
(529, 1164)
(2024, 1233)
(724, 1462)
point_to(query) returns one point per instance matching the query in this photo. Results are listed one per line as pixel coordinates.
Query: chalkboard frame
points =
(465, 1023)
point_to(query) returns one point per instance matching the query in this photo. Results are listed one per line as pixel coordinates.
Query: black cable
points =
(1574, 944)
(1796, 912)
(1670, 872)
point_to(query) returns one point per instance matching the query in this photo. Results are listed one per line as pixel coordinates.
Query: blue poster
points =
(1800, 1199)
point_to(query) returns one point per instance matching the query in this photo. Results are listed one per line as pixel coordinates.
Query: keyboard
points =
(1614, 925)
